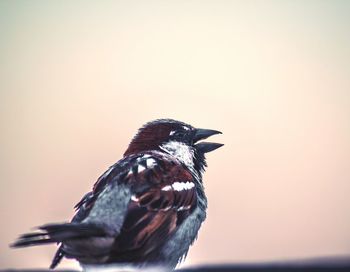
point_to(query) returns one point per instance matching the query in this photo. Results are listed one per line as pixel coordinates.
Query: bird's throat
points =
(180, 151)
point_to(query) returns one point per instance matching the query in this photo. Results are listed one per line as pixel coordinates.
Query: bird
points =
(145, 210)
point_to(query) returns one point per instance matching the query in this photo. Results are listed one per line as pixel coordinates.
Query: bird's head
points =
(175, 138)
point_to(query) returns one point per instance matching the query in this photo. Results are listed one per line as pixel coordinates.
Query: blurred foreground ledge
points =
(308, 265)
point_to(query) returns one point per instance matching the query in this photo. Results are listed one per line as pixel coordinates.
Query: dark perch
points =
(311, 265)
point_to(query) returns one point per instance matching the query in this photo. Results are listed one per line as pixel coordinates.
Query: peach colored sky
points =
(79, 77)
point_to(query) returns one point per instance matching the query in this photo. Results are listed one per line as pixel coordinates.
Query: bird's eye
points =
(179, 134)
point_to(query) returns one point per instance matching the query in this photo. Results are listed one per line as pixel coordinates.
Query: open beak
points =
(201, 134)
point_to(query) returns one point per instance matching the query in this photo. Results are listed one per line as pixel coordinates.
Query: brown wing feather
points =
(156, 210)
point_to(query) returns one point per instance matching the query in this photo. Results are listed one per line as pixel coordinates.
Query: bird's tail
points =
(58, 233)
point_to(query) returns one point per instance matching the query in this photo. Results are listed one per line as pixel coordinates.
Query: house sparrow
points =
(145, 210)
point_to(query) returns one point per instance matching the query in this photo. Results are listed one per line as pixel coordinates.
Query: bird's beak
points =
(201, 134)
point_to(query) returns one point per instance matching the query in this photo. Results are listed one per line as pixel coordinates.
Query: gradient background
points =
(78, 78)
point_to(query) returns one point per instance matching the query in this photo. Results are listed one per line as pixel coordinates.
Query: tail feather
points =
(61, 232)
(57, 233)
(32, 235)
(57, 258)
(31, 242)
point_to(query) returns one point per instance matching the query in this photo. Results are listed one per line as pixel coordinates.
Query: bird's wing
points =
(163, 195)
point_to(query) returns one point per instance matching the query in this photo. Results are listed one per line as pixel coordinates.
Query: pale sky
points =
(78, 78)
